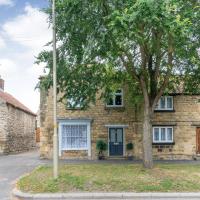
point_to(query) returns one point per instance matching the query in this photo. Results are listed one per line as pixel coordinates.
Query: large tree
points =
(150, 44)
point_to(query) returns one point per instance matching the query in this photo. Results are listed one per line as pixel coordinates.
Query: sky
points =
(24, 31)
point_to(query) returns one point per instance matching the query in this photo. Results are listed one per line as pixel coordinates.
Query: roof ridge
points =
(10, 99)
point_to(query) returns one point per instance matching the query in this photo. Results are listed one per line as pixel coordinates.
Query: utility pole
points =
(55, 134)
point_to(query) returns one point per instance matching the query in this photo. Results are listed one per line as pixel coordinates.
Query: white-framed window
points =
(163, 134)
(116, 99)
(71, 104)
(165, 103)
(74, 135)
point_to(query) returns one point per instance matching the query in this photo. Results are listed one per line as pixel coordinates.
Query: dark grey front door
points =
(116, 141)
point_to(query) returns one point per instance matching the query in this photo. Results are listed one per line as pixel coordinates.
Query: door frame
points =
(124, 139)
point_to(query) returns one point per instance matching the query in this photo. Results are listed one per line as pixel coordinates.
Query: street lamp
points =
(55, 134)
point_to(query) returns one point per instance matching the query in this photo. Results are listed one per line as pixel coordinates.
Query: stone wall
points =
(3, 127)
(187, 109)
(100, 116)
(46, 124)
(21, 130)
(185, 118)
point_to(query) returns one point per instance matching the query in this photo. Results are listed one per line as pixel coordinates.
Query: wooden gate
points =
(198, 140)
(37, 132)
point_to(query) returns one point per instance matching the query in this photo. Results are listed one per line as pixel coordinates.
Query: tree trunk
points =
(147, 137)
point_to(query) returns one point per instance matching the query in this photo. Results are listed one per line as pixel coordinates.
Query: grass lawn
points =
(110, 177)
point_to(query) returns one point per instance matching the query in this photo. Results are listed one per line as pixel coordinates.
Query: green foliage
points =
(104, 44)
(129, 146)
(101, 145)
(150, 46)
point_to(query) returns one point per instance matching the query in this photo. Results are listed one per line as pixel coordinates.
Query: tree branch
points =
(144, 90)
(170, 65)
(158, 54)
(130, 69)
(143, 47)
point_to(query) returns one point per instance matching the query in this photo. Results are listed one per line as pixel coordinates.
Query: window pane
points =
(64, 131)
(156, 134)
(112, 135)
(73, 142)
(169, 134)
(71, 103)
(162, 102)
(63, 143)
(110, 102)
(68, 143)
(83, 143)
(83, 131)
(118, 100)
(169, 102)
(68, 131)
(119, 135)
(74, 130)
(163, 138)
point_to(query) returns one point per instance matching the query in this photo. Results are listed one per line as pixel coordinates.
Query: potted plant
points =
(129, 148)
(101, 146)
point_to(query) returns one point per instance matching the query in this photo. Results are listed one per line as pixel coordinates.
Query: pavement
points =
(14, 166)
(125, 161)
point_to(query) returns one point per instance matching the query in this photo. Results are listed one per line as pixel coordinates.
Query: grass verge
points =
(113, 178)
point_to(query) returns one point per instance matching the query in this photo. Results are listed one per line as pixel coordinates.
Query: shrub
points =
(101, 145)
(129, 146)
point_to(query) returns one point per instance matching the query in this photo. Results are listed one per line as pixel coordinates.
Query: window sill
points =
(120, 108)
(75, 149)
(163, 143)
(74, 109)
(164, 111)
(163, 124)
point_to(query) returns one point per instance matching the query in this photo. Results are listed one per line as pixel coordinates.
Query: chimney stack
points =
(1, 84)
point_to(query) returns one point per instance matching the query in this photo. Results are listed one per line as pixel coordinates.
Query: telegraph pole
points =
(55, 134)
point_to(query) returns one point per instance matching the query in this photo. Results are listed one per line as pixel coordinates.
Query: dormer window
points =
(165, 103)
(116, 99)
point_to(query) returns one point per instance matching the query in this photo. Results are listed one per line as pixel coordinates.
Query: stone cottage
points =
(17, 124)
(175, 135)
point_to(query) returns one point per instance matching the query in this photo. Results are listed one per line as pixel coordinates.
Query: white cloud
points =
(7, 67)
(6, 3)
(30, 29)
(21, 77)
(26, 34)
(2, 42)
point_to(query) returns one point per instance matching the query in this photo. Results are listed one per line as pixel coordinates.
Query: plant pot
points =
(130, 157)
(101, 156)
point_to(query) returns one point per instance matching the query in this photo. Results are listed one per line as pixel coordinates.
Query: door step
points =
(116, 158)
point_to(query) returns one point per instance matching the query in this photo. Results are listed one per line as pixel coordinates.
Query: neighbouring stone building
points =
(175, 135)
(17, 124)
